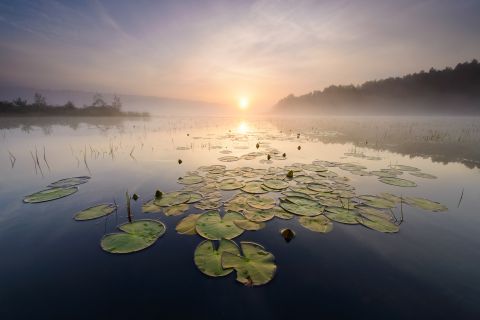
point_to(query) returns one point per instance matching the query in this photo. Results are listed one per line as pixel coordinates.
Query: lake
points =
(53, 267)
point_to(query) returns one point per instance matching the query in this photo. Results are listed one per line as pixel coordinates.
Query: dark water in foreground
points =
(52, 267)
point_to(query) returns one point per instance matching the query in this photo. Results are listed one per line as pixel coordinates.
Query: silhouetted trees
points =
(448, 91)
(39, 107)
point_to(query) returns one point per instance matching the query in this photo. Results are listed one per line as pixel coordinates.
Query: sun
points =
(243, 103)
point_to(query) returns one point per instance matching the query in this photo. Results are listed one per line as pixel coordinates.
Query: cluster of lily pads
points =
(311, 193)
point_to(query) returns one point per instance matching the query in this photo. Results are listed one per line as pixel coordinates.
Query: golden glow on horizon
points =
(243, 103)
(243, 127)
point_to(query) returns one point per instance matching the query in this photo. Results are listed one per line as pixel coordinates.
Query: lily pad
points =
(405, 168)
(189, 180)
(398, 182)
(212, 226)
(261, 202)
(378, 224)
(301, 210)
(49, 194)
(423, 175)
(208, 204)
(208, 259)
(341, 215)
(258, 215)
(281, 213)
(275, 184)
(69, 182)
(171, 199)
(425, 204)
(377, 202)
(151, 207)
(187, 224)
(136, 236)
(228, 159)
(176, 210)
(95, 212)
(318, 224)
(230, 184)
(254, 187)
(249, 225)
(254, 267)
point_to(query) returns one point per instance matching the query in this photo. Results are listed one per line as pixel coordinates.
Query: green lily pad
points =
(208, 204)
(317, 187)
(172, 198)
(176, 210)
(301, 210)
(398, 182)
(209, 260)
(187, 225)
(151, 207)
(254, 267)
(319, 223)
(425, 204)
(423, 175)
(304, 190)
(249, 225)
(49, 194)
(377, 223)
(194, 197)
(330, 202)
(254, 187)
(275, 184)
(377, 202)
(189, 180)
(371, 211)
(341, 215)
(136, 236)
(301, 201)
(228, 159)
(405, 168)
(384, 174)
(258, 215)
(314, 167)
(230, 184)
(281, 213)
(211, 225)
(261, 202)
(69, 182)
(95, 212)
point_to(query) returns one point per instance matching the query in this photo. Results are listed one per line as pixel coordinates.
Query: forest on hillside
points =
(448, 91)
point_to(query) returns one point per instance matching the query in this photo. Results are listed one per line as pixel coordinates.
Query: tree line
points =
(40, 107)
(448, 91)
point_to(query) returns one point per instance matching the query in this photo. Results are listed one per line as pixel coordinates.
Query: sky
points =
(223, 51)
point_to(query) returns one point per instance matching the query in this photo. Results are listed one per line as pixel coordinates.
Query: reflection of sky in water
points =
(436, 254)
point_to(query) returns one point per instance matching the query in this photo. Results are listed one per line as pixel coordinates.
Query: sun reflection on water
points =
(243, 127)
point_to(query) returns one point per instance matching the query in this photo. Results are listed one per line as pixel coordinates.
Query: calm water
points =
(52, 267)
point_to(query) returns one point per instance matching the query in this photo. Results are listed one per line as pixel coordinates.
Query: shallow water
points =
(53, 267)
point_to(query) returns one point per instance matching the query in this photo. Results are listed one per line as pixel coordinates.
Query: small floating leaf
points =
(188, 180)
(187, 224)
(405, 168)
(258, 215)
(398, 182)
(209, 260)
(150, 207)
(49, 194)
(318, 224)
(377, 202)
(423, 175)
(176, 210)
(69, 182)
(255, 267)
(172, 198)
(136, 236)
(281, 213)
(95, 212)
(425, 204)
